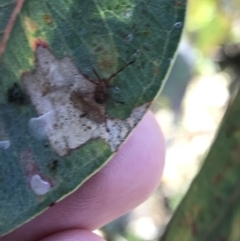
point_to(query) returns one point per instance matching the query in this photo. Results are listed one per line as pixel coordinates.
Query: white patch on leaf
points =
(128, 13)
(39, 186)
(5, 144)
(69, 114)
(41, 125)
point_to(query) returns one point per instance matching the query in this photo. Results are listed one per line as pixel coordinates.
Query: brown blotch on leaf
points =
(46, 88)
(179, 4)
(106, 63)
(40, 42)
(53, 165)
(156, 71)
(99, 48)
(47, 19)
(68, 102)
(90, 108)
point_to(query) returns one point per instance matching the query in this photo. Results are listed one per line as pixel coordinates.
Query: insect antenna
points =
(120, 70)
(89, 79)
(95, 72)
(98, 77)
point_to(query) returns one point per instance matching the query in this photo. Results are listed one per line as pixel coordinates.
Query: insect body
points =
(93, 104)
(101, 95)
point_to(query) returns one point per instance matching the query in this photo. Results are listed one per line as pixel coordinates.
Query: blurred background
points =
(189, 109)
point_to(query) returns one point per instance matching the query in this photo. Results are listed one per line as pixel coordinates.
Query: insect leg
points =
(120, 70)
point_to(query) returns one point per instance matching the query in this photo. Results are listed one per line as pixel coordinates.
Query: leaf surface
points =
(60, 122)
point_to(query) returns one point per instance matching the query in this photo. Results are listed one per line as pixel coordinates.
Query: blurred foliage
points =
(210, 209)
(211, 23)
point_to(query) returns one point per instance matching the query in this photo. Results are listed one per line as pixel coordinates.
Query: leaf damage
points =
(65, 100)
(37, 181)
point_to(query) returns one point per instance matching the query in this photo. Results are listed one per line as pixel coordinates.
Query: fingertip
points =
(144, 154)
(74, 235)
(130, 177)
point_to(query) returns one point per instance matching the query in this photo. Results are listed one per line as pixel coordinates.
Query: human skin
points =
(125, 182)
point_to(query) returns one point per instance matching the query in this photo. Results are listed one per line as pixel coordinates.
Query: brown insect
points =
(100, 94)
(93, 105)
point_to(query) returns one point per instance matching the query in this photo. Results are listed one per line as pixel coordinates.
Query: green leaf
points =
(210, 209)
(59, 122)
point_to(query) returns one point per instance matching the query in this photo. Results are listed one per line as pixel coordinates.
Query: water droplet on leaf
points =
(178, 25)
(40, 126)
(116, 89)
(129, 37)
(5, 144)
(128, 13)
(39, 186)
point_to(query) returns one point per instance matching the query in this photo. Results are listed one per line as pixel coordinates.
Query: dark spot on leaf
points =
(179, 4)
(53, 165)
(142, 65)
(218, 179)
(146, 33)
(83, 115)
(88, 106)
(46, 144)
(156, 71)
(146, 48)
(47, 19)
(16, 95)
(99, 48)
(52, 204)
